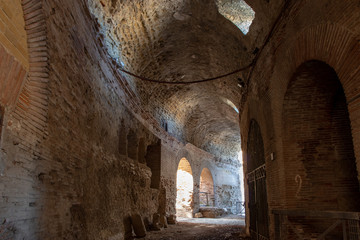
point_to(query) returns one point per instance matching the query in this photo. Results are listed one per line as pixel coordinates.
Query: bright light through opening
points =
(230, 103)
(184, 186)
(238, 12)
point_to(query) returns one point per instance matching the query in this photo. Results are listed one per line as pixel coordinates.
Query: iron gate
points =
(259, 224)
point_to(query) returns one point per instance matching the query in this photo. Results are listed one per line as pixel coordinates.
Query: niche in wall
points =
(122, 139)
(206, 188)
(153, 161)
(132, 145)
(141, 151)
(1, 119)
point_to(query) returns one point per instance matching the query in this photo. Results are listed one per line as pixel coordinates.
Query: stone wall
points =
(227, 189)
(80, 180)
(78, 155)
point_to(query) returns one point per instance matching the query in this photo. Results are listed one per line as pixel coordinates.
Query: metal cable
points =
(189, 82)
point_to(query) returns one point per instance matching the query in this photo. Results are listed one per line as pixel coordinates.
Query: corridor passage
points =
(225, 228)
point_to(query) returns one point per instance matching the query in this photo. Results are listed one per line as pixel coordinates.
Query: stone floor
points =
(226, 228)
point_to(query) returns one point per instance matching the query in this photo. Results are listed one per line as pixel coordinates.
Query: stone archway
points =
(184, 189)
(318, 148)
(206, 196)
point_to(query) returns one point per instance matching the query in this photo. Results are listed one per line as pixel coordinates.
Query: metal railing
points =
(305, 224)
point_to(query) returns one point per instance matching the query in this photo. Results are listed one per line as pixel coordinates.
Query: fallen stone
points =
(212, 212)
(147, 224)
(156, 222)
(198, 215)
(127, 228)
(138, 225)
(163, 221)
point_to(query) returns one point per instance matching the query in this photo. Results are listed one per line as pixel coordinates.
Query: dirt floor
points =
(226, 228)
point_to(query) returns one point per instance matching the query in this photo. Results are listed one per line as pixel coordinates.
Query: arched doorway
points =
(184, 189)
(319, 157)
(256, 176)
(207, 197)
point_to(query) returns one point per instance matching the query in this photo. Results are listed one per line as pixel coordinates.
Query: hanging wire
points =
(189, 82)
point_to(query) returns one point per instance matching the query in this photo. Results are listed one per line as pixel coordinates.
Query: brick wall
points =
(326, 31)
(12, 30)
(73, 146)
(12, 78)
(318, 149)
(63, 175)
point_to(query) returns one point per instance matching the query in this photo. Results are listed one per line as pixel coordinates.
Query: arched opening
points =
(318, 149)
(238, 12)
(207, 197)
(256, 175)
(184, 187)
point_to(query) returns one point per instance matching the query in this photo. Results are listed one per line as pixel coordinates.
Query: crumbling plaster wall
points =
(308, 30)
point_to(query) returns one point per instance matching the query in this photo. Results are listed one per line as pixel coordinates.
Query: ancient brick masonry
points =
(299, 125)
(84, 148)
(75, 162)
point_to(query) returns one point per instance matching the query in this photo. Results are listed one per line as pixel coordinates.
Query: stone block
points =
(138, 225)
(163, 221)
(127, 228)
(171, 219)
(156, 222)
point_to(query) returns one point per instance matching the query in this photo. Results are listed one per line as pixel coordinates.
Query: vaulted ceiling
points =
(181, 41)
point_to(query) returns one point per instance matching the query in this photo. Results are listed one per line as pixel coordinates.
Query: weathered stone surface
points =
(198, 215)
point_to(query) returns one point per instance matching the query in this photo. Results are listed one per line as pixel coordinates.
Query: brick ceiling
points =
(182, 40)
